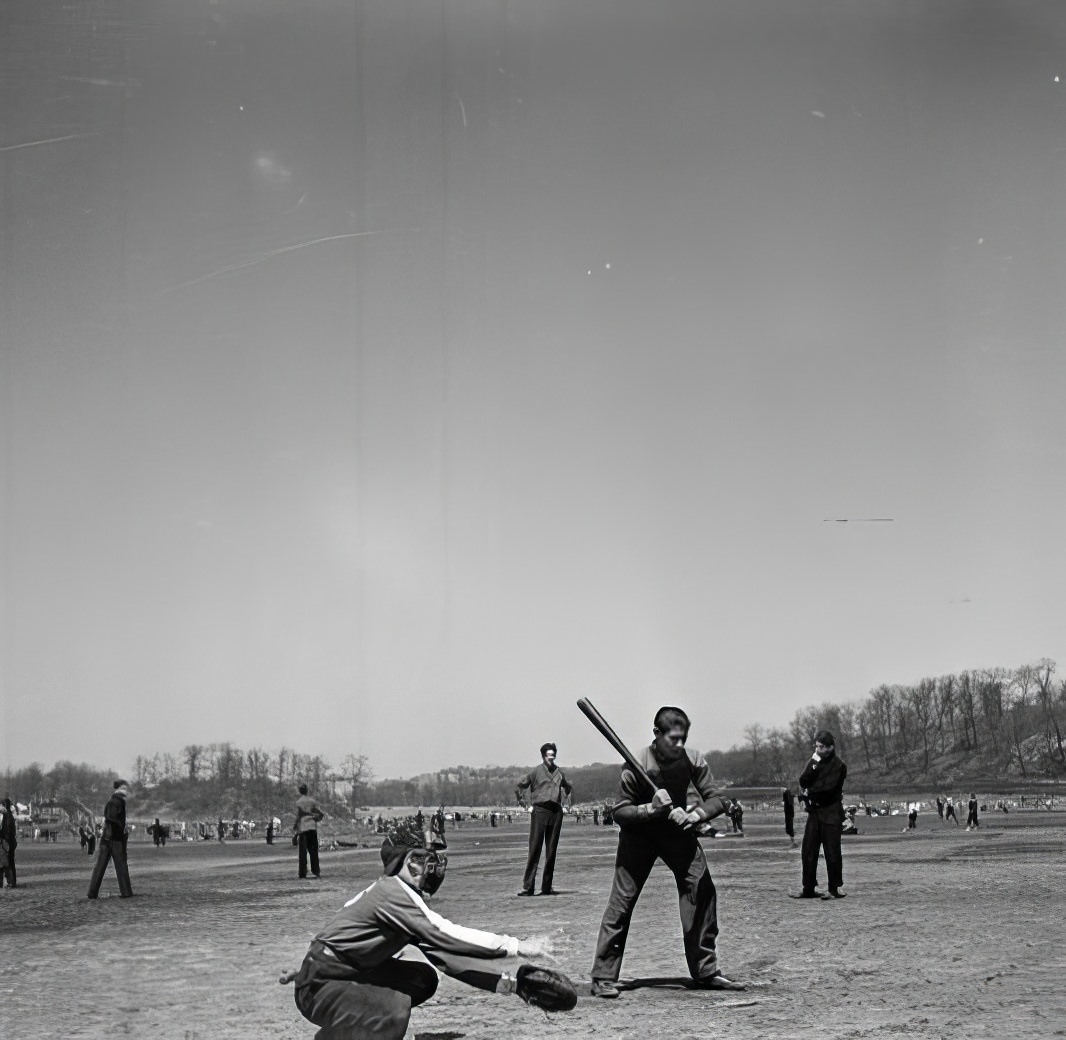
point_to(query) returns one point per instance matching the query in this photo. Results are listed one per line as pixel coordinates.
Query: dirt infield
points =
(944, 934)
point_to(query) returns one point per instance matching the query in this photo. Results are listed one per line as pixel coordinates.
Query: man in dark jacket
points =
(547, 784)
(113, 844)
(789, 803)
(822, 781)
(8, 841)
(664, 828)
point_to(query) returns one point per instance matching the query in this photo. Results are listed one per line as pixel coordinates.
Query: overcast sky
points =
(384, 377)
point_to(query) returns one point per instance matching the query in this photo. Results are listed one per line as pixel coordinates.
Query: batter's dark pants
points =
(545, 825)
(308, 842)
(638, 849)
(111, 849)
(824, 833)
(789, 825)
(347, 1003)
(971, 818)
(9, 870)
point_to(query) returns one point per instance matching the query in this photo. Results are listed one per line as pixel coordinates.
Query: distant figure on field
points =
(789, 803)
(436, 830)
(270, 831)
(159, 833)
(940, 806)
(546, 783)
(971, 813)
(659, 825)
(8, 842)
(308, 815)
(912, 816)
(736, 814)
(221, 830)
(822, 783)
(950, 812)
(113, 844)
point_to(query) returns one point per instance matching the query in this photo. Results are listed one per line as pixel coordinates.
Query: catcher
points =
(379, 955)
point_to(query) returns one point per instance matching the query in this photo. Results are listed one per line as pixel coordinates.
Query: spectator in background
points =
(789, 803)
(8, 842)
(736, 814)
(308, 815)
(113, 844)
(971, 813)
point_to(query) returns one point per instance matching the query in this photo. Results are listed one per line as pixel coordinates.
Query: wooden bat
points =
(615, 741)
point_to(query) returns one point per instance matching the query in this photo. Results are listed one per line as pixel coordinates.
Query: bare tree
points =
(754, 736)
(356, 770)
(193, 755)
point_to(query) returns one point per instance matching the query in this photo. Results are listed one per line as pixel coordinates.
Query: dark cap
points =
(671, 715)
(545, 748)
(120, 783)
(823, 736)
(399, 841)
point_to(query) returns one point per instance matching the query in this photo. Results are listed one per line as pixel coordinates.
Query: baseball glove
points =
(545, 988)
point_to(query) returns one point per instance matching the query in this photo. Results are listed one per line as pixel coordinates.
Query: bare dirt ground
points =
(944, 934)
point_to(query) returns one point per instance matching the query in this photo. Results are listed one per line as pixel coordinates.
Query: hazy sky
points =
(385, 376)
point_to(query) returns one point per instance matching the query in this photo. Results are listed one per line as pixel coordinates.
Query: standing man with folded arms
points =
(547, 784)
(308, 816)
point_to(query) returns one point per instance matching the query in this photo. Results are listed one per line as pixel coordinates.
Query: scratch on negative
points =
(462, 108)
(233, 268)
(47, 140)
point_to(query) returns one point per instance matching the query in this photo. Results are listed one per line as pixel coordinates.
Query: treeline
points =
(204, 780)
(995, 722)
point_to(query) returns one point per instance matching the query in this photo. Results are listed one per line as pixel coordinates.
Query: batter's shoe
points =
(526, 892)
(717, 981)
(604, 988)
(835, 893)
(545, 988)
(807, 893)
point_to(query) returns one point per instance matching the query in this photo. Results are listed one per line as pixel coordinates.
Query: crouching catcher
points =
(380, 954)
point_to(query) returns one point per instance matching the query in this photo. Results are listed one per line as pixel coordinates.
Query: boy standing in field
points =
(547, 784)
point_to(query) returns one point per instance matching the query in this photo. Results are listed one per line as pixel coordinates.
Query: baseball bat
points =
(631, 760)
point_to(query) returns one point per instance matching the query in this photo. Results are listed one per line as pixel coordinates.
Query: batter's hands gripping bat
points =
(615, 741)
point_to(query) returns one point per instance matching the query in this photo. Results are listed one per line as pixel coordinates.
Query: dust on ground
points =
(945, 933)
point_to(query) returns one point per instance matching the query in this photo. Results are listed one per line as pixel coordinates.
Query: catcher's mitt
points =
(545, 988)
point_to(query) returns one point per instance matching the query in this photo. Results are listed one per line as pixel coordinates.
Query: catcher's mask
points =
(433, 864)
